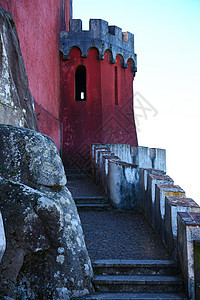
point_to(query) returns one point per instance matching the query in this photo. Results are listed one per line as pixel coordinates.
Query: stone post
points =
(173, 205)
(122, 184)
(188, 231)
(143, 173)
(163, 190)
(152, 180)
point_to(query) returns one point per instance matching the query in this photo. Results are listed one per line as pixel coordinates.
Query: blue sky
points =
(167, 42)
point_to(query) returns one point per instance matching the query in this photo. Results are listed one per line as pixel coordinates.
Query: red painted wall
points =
(38, 25)
(80, 119)
(118, 120)
(99, 119)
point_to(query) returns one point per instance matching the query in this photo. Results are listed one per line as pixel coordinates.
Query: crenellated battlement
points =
(101, 36)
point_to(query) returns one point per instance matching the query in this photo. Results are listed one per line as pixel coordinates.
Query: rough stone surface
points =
(2, 238)
(16, 101)
(188, 225)
(46, 256)
(121, 235)
(32, 157)
(122, 184)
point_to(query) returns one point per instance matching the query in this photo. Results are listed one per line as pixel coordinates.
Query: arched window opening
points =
(80, 83)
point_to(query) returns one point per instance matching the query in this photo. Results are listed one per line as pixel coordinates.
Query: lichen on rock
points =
(31, 158)
(46, 256)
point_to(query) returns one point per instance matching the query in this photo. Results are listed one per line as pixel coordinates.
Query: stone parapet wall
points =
(116, 168)
(131, 178)
(142, 157)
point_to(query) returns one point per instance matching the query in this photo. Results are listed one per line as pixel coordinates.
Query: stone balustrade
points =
(135, 178)
(143, 157)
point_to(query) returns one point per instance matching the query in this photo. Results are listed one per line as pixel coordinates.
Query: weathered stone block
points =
(143, 173)
(188, 230)
(152, 180)
(158, 157)
(96, 151)
(197, 268)
(99, 165)
(122, 184)
(96, 171)
(32, 157)
(141, 158)
(123, 151)
(46, 256)
(116, 31)
(104, 173)
(149, 158)
(75, 25)
(163, 190)
(173, 205)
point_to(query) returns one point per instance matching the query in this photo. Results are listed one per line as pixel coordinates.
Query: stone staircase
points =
(92, 203)
(136, 279)
(85, 201)
(125, 278)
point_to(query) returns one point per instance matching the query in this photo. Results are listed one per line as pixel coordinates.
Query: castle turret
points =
(97, 70)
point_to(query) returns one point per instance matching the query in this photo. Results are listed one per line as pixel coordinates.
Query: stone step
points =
(93, 207)
(138, 284)
(91, 200)
(77, 174)
(134, 296)
(134, 267)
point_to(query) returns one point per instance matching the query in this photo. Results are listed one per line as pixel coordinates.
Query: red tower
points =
(97, 71)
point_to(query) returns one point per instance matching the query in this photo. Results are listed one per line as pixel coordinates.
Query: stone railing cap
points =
(190, 219)
(177, 201)
(160, 177)
(170, 187)
(156, 171)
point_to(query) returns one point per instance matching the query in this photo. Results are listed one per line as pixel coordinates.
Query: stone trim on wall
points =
(102, 37)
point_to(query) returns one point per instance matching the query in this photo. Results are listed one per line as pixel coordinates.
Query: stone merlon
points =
(102, 37)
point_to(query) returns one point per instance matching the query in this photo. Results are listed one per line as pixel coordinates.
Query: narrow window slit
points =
(80, 83)
(116, 86)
